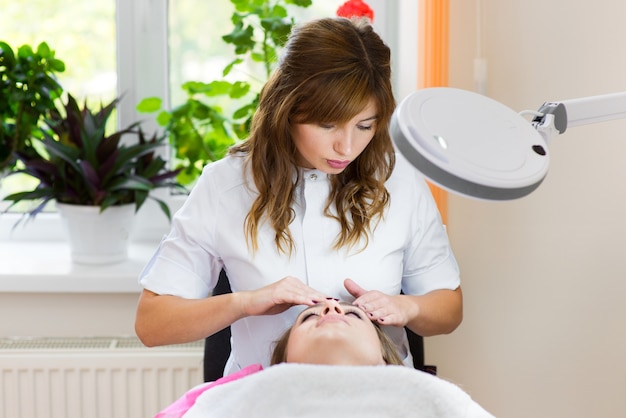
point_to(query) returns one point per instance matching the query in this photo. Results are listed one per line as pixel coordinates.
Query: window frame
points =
(143, 71)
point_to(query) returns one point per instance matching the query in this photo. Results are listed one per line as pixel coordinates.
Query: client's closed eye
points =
(315, 311)
(307, 316)
(355, 313)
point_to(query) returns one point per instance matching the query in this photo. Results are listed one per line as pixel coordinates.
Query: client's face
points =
(334, 333)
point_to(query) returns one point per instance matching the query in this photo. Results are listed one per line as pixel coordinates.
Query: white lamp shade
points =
(470, 144)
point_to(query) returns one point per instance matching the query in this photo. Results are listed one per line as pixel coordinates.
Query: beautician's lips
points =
(338, 163)
(331, 318)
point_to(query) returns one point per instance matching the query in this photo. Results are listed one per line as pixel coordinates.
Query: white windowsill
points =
(46, 267)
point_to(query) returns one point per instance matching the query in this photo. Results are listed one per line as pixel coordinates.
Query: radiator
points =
(93, 377)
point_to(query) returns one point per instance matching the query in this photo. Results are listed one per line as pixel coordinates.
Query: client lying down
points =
(328, 362)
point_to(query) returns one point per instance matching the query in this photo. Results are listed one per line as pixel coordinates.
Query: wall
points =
(44, 294)
(544, 333)
(67, 314)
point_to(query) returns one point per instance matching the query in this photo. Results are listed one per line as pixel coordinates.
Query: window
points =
(81, 31)
(86, 27)
(118, 47)
(196, 55)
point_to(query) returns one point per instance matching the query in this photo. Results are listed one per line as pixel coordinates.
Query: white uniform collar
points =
(311, 174)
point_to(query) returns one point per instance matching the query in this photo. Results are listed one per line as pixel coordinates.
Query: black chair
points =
(217, 346)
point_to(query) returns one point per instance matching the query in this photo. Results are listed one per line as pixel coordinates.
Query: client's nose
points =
(332, 307)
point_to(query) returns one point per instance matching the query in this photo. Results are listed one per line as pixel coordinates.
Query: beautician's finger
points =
(393, 319)
(381, 308)
(353, 288)
(384, 317)
(280, 296)
(298, 293)
(391, 313)
(370, 300)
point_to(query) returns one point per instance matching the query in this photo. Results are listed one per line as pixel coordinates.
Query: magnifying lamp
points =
(477, 147)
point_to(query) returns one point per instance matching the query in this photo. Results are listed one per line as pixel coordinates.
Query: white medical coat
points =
(408, 250)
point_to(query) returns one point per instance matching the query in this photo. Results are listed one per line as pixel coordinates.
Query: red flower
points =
(356, 8)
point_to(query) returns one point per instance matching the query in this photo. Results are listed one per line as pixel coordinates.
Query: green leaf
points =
(36, 194)
(164, 207)
(218, 88)
(25, 52)
(7, 57)
(278, 29)
(193, 87)
(301, 3)
(244, 111)
(164, 118)
(44, 50)
(149, 105)
(239, 89)
(242, 37)
(135, 183)
(67, 153)
(278, 11)
(230, 66)
(258, 56)
(248, 6)
(56, 65)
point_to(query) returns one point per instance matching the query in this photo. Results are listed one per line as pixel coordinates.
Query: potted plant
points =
(90, 173)
(28, 89)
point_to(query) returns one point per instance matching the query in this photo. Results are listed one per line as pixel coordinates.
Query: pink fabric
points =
(182, 405)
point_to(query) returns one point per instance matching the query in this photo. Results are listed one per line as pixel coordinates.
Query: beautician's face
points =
(330, 147)
(334, 333)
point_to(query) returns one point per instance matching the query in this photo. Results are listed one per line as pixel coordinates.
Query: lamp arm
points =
(595, 109)
(555, 117)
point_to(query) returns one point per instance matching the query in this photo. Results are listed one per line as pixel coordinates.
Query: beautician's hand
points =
(278, 297)
(380, 307)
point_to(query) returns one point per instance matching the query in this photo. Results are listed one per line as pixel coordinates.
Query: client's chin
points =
(330, 351)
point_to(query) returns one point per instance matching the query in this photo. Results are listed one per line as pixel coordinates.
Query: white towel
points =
(304, 390)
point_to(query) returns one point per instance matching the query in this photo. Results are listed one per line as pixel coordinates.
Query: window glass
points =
(196, 50)
(82, 33)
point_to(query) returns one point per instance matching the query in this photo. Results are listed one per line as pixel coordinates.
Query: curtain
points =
(433, 18)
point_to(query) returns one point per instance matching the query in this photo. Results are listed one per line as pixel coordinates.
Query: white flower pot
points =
(98, 238)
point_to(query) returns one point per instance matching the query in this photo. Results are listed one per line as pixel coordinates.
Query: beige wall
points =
(544, 277)
(67, 314)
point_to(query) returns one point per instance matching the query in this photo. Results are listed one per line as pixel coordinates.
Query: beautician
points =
(314, 204)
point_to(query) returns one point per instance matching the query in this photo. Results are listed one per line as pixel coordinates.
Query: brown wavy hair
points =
(329, 71)
(388, 349)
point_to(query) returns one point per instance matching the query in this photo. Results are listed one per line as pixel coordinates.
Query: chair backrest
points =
(217, 346)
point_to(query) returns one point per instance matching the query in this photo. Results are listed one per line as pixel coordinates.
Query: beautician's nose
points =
(332, 307)
(343, 143)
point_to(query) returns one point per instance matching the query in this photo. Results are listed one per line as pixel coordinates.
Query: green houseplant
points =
(28, 89)
(217, 114)
(80, 165)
